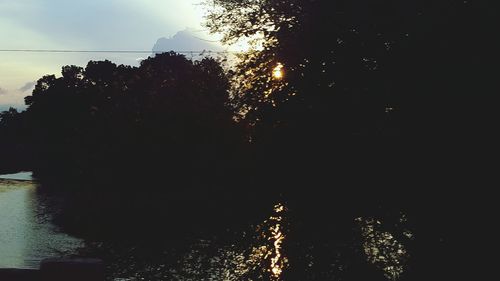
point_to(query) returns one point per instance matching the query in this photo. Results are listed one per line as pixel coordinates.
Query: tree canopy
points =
(357, 67)
(106, 119)
(406, 84)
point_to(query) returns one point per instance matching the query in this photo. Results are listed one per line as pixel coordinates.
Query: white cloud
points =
(11, 98)
(28, 87)
(186, 40)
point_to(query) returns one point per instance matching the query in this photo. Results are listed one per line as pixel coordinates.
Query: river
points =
(277, 246)
(26, 234)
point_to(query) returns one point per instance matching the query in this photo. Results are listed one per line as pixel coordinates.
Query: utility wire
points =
(108, 51)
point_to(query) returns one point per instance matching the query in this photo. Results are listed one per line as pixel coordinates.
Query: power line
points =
(206, 40)
(108, 51)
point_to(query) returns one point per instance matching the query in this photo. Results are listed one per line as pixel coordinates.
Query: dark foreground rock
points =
(10, 274)
(58, 269)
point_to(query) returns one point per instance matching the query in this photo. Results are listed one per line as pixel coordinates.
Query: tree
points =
(8, 115)
(354, 67)
(104, 120)
(406, 83)
(13, 141)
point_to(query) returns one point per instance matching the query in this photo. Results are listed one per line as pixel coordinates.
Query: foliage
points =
(13, 143)
(380, 99)
(355, 67)
(104, 120)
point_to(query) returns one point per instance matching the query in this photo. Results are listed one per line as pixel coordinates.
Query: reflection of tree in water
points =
(382, 249)
(278, 261)
(264, 255)
(274, 250)
(257, 256)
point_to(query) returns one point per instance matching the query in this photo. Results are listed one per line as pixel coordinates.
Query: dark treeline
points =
(111, 122)
(382, 103)
(131, 141)
(95, 122)
(14, 144)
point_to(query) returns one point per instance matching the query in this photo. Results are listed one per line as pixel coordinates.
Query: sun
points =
(278, 72)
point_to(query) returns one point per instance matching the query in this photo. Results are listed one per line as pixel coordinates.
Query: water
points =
(26, 234)
(24, 176)
(273, 251)
(280, 247)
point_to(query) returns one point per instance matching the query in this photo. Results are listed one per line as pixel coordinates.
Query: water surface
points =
(26, 234)
(280, 247)
(24, 176)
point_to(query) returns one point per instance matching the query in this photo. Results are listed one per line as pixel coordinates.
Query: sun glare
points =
(278, 71)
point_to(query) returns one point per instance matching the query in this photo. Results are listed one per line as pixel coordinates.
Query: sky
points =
(86, 25)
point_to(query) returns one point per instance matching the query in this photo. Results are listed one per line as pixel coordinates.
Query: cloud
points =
(10, 99)
(185, 41)
(28, 87)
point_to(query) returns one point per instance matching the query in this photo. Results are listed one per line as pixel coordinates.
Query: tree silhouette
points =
(137, 143)
(106, 120)
(14, 144)
(392, 95)
(356, 67)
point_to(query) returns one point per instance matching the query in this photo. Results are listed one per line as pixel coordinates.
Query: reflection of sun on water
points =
(278, 72)
(262, 259)
(258, 254)
(278, 261)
